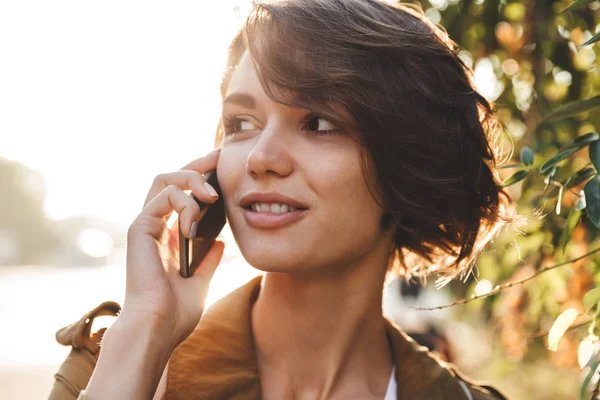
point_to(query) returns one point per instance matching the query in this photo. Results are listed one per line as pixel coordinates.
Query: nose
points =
(271, 154)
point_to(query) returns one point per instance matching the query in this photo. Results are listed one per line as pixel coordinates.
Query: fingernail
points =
(211, 190)
(193, 229)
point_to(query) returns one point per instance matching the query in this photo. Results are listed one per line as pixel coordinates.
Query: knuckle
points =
(171, 189)
(142, 225)
(158, 179)
(134, 229)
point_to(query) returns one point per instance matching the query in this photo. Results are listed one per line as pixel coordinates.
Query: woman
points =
(360, 115)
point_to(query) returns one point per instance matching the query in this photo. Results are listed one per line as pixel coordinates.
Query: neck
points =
(323, 336)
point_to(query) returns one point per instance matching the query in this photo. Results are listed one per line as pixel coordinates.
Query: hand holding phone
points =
(155, 294)
(212, 221)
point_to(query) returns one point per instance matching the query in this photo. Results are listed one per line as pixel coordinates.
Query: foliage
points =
(537, 61)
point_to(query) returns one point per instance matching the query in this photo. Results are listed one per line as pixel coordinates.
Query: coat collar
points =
(218, 361)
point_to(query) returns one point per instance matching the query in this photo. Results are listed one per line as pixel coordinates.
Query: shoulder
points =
(421, 374)
(478, 390)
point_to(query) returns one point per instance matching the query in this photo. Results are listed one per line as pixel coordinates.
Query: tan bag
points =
(76, 371)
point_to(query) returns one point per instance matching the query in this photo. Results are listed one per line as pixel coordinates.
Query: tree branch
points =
(574, 326)
(507, 285)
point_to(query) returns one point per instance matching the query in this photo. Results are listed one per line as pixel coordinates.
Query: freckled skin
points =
(276, 151)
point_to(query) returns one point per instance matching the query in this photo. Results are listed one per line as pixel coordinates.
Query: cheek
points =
(348, 207)
(230, 175)
(344, 213)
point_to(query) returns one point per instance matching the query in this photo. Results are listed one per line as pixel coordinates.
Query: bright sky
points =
(100, 97)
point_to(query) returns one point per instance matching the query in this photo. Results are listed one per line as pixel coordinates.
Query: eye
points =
(235, 125)
(319, 125)
(245, 124)
(313, 123)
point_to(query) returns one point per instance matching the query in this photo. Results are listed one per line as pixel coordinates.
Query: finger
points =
(196, 287)
(173, 242)
(185, 180)
(173, 235)
(209, 264)
(152, 219)
(204, 164)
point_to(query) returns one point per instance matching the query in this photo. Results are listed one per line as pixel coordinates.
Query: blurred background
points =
(96, 99)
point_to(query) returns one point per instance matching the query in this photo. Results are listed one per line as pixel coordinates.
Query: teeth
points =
(272, 208)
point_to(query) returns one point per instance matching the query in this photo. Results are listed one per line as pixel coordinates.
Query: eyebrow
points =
(242, 99)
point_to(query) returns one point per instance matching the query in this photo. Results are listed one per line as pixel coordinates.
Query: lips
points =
(260, 220)
(271, 197)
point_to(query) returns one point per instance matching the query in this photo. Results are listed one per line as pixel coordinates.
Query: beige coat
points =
(218, 361)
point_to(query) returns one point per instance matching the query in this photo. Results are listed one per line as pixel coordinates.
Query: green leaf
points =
(510, 166)
(593, 366)
(580, 176)
(527, 156)
(595, 324)
(517, 177)
(546, 167)
(549, 177)
(592, 199)
(573, 108)
(581, 141)
(593, 39)
(591, 298)
(560, 326)
(577, 4)
(594, 151)
(572, 221)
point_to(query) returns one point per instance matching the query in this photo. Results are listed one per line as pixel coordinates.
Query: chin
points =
(264, 259)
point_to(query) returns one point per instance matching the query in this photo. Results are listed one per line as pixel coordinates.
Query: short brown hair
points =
(391, 79)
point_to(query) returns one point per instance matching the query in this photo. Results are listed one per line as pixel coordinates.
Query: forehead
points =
(245, 78)
(245, 88)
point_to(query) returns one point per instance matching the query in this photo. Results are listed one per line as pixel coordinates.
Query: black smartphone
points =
(212, 221)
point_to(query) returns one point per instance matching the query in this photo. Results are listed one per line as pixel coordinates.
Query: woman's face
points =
(269, 147)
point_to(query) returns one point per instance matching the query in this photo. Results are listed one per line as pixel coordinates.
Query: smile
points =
(270, 220)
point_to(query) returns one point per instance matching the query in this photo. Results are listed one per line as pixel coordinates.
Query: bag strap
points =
(78, 334)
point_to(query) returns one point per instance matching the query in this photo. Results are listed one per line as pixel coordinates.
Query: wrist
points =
(133, 356)
(149, 335)
(155, 332)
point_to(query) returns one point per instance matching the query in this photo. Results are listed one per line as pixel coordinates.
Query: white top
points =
(392, 387)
